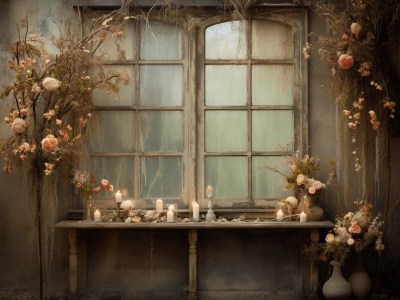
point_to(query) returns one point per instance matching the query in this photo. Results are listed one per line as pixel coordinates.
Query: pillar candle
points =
(303, 217)
(97, 215)
(279, 216)
(118, 197)
(159, 205)
(170, 214)
(196, 211)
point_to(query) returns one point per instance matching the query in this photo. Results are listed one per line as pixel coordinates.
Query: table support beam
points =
(192, 295)
(73, 262)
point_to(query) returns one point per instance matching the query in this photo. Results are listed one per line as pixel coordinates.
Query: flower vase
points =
(359, 280)
(336, 287)
(315, 212)
(89, 209)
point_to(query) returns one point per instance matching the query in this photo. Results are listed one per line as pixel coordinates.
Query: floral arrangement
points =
(353, 233)
(357, 33)
(50, 91)
(87, 185)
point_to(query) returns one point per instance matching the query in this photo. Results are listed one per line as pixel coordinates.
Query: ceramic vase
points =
(315, 213)
(336, 287)
(359, 280)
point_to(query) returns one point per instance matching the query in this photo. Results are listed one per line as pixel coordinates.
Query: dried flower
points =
(49, 143)
(19, 126)
(51, 84)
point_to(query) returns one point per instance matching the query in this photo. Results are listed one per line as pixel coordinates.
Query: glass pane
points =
(271, 40)
(267, 184)
(160, 41)
(226, 41)
(273, 130)
(126, 95)
(161, 131)
(161, 85)
(118, 171)
(228, 176)
(272, 85)
(226, 85)
(226, 131)
(161, 178)
(112, 131)
(113, 45)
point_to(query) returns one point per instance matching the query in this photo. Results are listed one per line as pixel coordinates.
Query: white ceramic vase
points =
(336, 287)
(359, 280)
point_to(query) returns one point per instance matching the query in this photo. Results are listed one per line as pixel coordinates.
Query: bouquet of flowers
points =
(354, 232)
(87, 185)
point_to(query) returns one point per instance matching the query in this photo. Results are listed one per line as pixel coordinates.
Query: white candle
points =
(303, 217)
(118, 197)
(97, 215)
(196, 211)
(209, 191)
(159, 205)
(279, 215)
(170, 214)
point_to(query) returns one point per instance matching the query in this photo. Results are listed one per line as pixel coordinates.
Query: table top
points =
(267, 224)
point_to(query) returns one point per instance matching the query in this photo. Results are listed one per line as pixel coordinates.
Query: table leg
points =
(314, 236)
(73, 262)
(192, 295)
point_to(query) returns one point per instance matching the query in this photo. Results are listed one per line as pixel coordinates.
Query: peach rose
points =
(355, 28)
(312, 190)
(345, 61)
(301, 179)
(329, 238)
(49, 143)
(355, 228)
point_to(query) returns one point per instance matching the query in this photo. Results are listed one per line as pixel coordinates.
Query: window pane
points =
(271, 40)
(112, 131)
(226, 85)
(226, 41)
(126, 94)
(267, 184)
(118, 171)
(161, 178)
(228, 176)
(111, 44)
(273, 130)
(161, 131)
(161, 85)
(160, 41)
(226, 131)
(272, 85)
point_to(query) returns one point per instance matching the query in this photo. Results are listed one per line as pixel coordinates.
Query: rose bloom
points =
(25, 147)
(350, 241)
(329, 238)
(318, 185)
(301, 179)
(49, 143)
(354, 228)
(110, 188)
(58, 122)
(51, 84)
(291, 200)
(104, 182)
(19, 125)
(312, 190)
(355, 28)
(345, 61)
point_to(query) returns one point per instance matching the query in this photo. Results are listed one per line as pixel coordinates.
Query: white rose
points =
(329, 238)
(350, 241)
(19, 125)
(51, 84)
(301, 179)
(291, 200)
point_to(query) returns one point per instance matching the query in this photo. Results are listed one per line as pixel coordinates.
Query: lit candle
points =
(209, 191)
(196, 211)
(118, 197)
(170, 214)
(279, 215)
(159, 205)
(97, 215)
(303, 217)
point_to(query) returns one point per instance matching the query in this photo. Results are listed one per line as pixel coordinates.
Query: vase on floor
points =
(359, 280)
(336, 287)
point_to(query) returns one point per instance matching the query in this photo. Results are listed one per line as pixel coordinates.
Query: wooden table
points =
(192, 227)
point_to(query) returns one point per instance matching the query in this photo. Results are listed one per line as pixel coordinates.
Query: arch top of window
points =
(269, 39)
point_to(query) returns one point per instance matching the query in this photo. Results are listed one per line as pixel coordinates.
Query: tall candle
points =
(196, 211)
(97, 215)
(303, 217)
(170, 214)
(279, 215)
(159, 205)
(209, 191)
(118, 197)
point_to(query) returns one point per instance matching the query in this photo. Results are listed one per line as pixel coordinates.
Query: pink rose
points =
(318, 185)
(312, 190)
(345, 61)
(49, 143)
(355, 228)
(110, 188)
(104, 183)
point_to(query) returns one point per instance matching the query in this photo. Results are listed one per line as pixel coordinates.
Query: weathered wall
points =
(154, 263)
